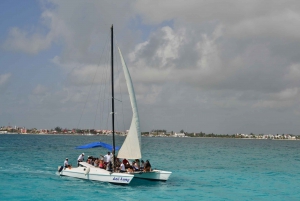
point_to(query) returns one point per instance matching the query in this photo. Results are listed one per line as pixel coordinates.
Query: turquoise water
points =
(203, 169)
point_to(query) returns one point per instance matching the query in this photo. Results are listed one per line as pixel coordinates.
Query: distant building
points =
(179, 135)
(43, 131)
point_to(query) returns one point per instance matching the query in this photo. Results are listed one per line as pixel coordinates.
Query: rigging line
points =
(105, 98)
(99, 103)
(117, 69)
(121, 92)
(103, 74)
(118, 100)
(116, 76)
(106, 105)
(109, 102)
(104, 80)
(105, 69)
(98, 108)
(89, 93)
(120, 89)
(116, 122)
(108, 113)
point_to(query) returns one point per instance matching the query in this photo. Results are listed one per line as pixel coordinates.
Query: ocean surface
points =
(203, 169)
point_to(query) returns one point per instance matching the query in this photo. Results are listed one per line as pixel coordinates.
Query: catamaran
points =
(130, 149)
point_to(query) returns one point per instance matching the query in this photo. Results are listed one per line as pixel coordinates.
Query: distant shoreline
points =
(78, 134)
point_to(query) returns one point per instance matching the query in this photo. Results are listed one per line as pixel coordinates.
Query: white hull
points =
(158, 175)
(96, 174)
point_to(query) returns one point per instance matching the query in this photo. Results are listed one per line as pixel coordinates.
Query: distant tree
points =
(181, 131)
(58, 129)
(159, 130)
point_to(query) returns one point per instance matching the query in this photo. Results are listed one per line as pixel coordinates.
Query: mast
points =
(112, 95)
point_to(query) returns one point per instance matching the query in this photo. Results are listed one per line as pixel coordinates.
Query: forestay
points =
(131, 148)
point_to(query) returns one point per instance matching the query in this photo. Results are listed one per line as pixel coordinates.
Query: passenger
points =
(112, 159)
(109, 166)
(122, 167)
(126, 163)
(101, 164)
(96, 162)
(147, 167)
(130, 170)
(118, 163)
(107, 158)
(142, 165)
(135, 166)
(66, 164)
(137, 161)
(80, 158)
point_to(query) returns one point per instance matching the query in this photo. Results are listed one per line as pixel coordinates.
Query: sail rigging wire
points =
(102, 103)
(104, 121)
(89, 92)
(120, 72)
(104, 77)
(121, 92)
(99, 100)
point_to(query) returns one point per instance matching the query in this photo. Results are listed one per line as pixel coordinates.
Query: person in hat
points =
(80, 158)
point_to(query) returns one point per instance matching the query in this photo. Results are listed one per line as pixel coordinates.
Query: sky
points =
(219, 67)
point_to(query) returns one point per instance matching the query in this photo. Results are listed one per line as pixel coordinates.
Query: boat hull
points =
(97, 174)
(158, 175)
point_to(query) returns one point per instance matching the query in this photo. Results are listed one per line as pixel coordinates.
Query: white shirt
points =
(80, 158)
(66, 163)
(136, 167)
(122, 167)
(107, 158)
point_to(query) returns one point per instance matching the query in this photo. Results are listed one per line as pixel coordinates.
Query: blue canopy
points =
(97, 144)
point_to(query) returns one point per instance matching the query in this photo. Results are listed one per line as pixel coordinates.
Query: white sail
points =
(131, 148)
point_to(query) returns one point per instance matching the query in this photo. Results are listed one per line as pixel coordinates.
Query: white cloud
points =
(39, 90)
(293, 73)
(276, 25)
(4, 78)
(283, 99)
(288, 94)
(201, 59)
(77, 26)
(23, 41)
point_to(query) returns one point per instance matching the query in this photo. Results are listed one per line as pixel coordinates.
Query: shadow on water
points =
(134, 183)
(145, 182)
